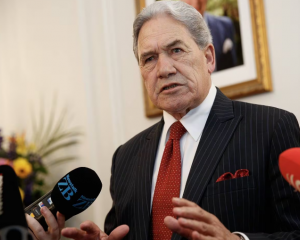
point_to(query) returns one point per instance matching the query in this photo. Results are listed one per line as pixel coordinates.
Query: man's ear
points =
(210, 58)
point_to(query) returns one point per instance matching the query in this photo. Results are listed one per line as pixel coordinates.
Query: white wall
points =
(284, 48)
(82, 49)
(41, 55)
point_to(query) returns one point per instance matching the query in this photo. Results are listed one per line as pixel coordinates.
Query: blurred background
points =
(75, 56)
(230, 9)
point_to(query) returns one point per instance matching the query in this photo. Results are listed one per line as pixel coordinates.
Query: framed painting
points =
(243, 66)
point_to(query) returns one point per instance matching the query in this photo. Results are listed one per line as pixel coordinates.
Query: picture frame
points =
(254, 76)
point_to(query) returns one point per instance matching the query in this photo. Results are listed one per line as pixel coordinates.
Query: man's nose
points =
(165, 66)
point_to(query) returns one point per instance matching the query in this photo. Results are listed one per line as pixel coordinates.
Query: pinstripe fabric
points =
(237, 136)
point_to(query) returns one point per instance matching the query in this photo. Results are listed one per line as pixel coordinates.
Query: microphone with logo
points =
(289, 165)
(13, 224)
(72, 194)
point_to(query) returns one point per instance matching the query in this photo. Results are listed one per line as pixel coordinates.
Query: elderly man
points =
(207, 170)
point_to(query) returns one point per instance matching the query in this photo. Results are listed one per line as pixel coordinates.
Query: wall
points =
(82, 50)
(284, 49)
(40, 57)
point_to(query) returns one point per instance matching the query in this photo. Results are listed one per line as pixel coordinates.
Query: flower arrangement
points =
(30, 159)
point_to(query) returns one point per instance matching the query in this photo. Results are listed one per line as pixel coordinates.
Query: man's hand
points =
(195, 223)
(90, 231)
(54, 226)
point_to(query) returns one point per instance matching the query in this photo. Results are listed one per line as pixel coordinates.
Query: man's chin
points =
(173, 108)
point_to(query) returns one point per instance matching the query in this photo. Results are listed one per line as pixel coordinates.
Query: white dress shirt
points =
(194, 122)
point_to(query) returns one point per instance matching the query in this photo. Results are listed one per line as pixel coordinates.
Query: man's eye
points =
(177, 50)
(149, 59)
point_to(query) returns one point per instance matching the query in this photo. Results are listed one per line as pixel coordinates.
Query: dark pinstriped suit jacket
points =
(236, 136)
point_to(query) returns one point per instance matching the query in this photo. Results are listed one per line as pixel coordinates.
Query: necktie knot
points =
(177, 130)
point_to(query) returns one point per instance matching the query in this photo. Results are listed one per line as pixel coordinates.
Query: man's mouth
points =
(169, 87)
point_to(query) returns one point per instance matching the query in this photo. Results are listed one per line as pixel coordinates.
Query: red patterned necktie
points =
(167, 184)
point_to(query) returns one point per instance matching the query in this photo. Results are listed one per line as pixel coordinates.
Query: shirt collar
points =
(195, 116)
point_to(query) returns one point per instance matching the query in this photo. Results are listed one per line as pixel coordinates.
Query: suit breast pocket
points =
(234, 202)
(232, 185)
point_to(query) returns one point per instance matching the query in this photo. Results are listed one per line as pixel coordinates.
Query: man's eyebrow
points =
(169, 45)
(174, 43)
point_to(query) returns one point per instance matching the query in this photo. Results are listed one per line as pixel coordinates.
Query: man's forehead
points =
(160, 26)
(159, 33)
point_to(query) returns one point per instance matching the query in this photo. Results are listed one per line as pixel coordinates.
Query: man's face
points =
(200, 5)
(175, 70)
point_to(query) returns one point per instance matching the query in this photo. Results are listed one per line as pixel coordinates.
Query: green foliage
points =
(53, 135)
(31, 160)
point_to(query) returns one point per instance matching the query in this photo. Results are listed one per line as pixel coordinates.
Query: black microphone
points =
(13, 225)
(72, 194)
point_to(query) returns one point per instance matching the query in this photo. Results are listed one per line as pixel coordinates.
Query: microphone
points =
(13, 225)
(289, 165)
(72, 194)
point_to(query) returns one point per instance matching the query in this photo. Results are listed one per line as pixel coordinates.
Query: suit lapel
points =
(145, 162)
(219, 128)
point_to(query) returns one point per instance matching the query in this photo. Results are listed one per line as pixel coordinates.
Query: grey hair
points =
(179, 11)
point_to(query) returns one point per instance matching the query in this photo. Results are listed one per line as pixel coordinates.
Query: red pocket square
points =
(239, 173)
(225, 176)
